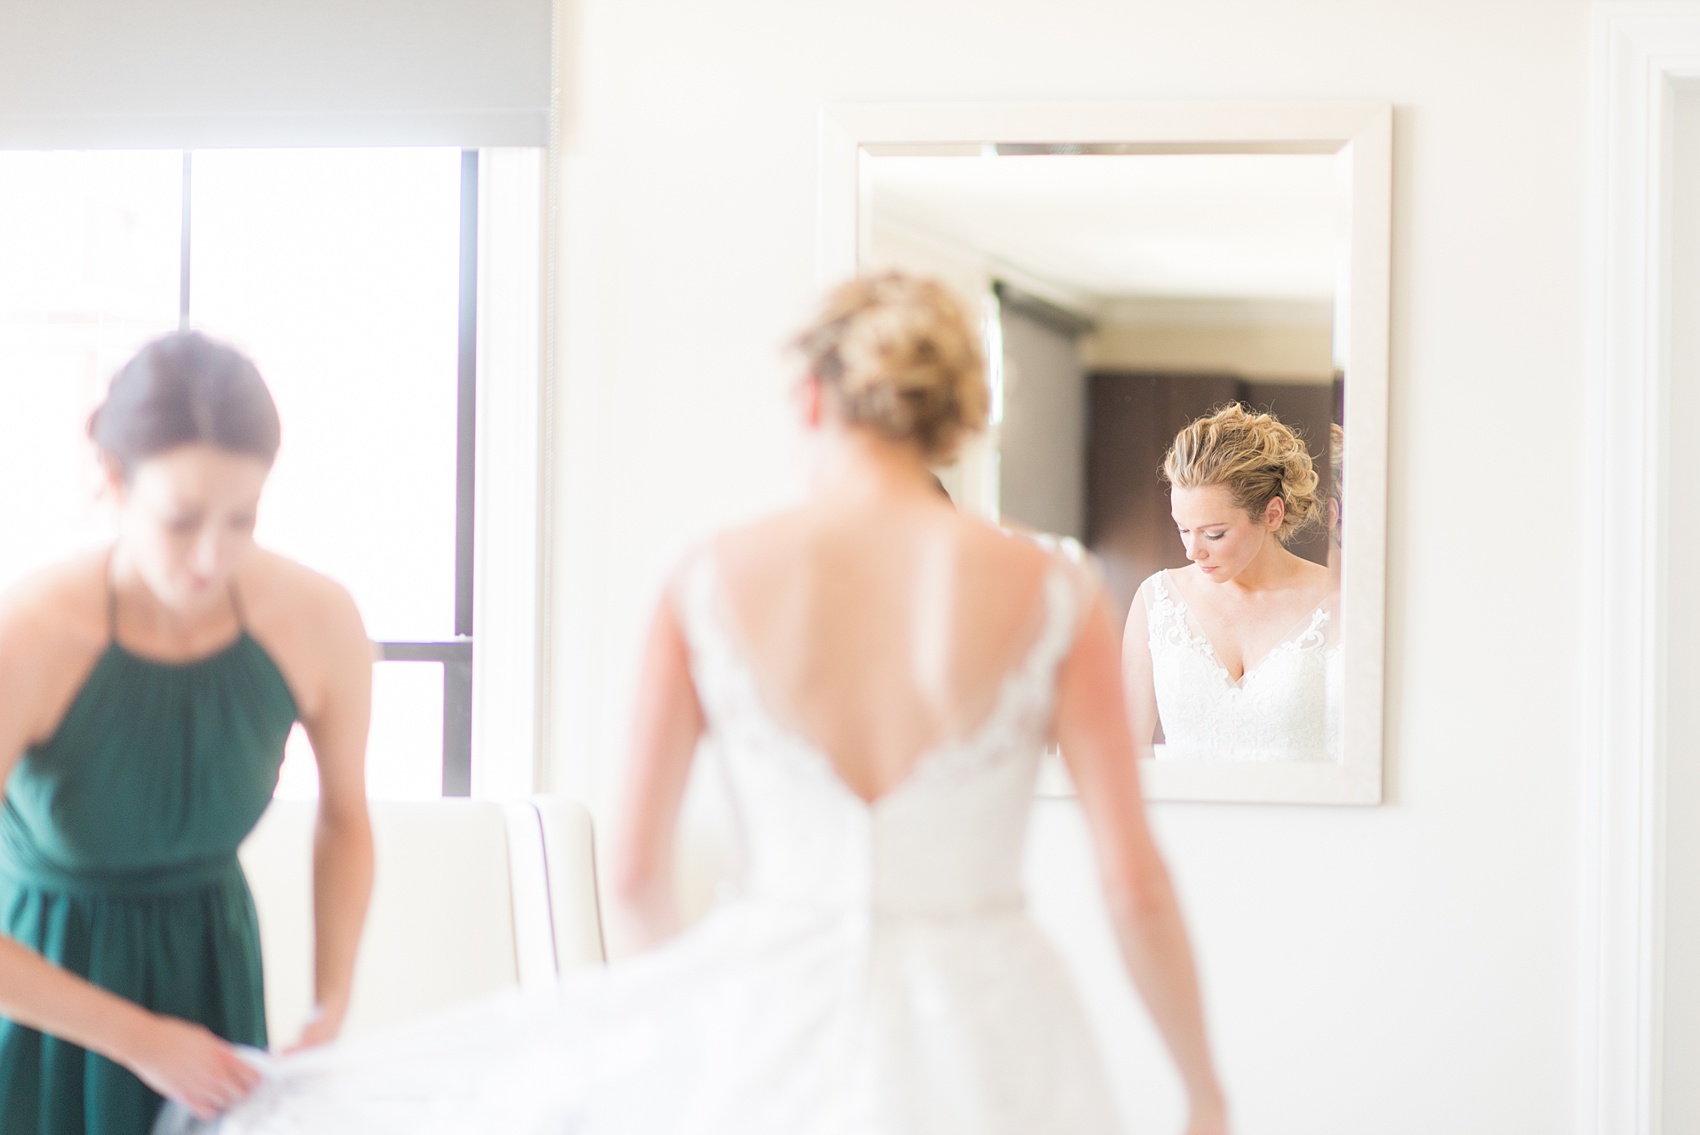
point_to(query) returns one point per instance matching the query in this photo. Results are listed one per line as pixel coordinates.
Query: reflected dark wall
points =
(1132, 417)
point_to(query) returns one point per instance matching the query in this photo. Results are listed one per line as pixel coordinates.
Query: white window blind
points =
(195, 74)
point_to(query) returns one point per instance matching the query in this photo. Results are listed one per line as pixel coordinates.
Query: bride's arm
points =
(1137, 682)
(1092, 728)
(658, 765)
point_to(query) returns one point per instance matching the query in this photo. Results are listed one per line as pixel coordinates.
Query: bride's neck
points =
(854, 465)
(1272, 568)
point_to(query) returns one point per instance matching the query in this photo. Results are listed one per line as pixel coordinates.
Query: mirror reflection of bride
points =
(1234, 655)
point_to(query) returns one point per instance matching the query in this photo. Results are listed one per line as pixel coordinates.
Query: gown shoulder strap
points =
(693, 598)
(1165, 611)
(1068, 590)
(712, 664)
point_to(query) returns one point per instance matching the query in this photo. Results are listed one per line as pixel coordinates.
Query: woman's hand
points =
(321, 1028)
(185, 1062)
(1207, 1116)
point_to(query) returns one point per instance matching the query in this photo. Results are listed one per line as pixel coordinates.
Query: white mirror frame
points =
(1363, 131)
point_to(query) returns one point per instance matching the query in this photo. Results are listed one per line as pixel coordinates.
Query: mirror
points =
(1176, 338)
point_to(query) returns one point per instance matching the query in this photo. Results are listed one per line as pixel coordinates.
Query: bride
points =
(1237, 655)
(879, 676)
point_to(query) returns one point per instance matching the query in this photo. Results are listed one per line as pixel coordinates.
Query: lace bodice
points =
(946, 839)
(1285, 708)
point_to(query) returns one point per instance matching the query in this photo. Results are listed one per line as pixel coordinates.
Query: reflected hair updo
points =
(900, 355)
(184, 389)
(1253, 456)
(1337, 477)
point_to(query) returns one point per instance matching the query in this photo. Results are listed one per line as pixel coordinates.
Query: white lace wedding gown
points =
(877, 974)
(1285, 708)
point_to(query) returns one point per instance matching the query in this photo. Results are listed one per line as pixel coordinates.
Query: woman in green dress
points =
(146, 692)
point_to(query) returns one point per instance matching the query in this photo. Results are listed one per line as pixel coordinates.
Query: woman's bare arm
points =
(342, 831)
(1138, 685)
(664, 738)
(1092, 728)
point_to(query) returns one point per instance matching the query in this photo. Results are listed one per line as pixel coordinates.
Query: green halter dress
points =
(118, 842)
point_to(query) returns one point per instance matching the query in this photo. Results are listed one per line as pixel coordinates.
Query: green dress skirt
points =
(118, 862)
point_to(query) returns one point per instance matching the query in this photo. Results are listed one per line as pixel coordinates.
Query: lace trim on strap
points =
(1313, 637)
(1018, 720)
(1168, 622)
(725, 684)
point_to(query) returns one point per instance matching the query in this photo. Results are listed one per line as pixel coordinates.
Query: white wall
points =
(1407, 970)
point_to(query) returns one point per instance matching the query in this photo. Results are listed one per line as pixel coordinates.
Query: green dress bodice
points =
(118, 841)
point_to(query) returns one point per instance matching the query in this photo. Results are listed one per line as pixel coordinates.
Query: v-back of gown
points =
(875, 972)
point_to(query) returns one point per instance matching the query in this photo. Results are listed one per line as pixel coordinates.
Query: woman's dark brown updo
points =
(185, 389)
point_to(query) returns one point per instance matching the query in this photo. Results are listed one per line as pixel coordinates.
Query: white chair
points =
(470, 896)
(569, 848)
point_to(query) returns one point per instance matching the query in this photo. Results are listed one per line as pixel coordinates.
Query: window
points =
(352, 278)
(88, 273)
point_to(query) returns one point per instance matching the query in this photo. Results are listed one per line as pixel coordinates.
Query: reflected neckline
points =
(1292, 634)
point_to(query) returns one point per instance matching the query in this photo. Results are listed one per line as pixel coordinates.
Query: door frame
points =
(1641, 52)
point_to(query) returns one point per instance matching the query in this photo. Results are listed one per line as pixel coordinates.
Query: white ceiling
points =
(1108, 227)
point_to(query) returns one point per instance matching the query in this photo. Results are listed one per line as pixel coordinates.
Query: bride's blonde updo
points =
(900, 355)
(1253, 456)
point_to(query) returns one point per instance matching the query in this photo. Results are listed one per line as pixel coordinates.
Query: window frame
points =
(491, 694)
(456, 653)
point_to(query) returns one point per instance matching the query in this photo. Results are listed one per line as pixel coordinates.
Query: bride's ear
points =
(811, 400)
(1274, 513)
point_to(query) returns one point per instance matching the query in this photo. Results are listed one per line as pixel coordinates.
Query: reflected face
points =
(1220, 536)
(186, 520)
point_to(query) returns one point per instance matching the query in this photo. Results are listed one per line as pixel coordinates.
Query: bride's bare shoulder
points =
(774, 545)
(1007, 567)
(755, 546)
(751, 542)
(1316, 579)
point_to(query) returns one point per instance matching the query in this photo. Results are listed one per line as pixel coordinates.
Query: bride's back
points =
(879, 627)
(874, 966)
